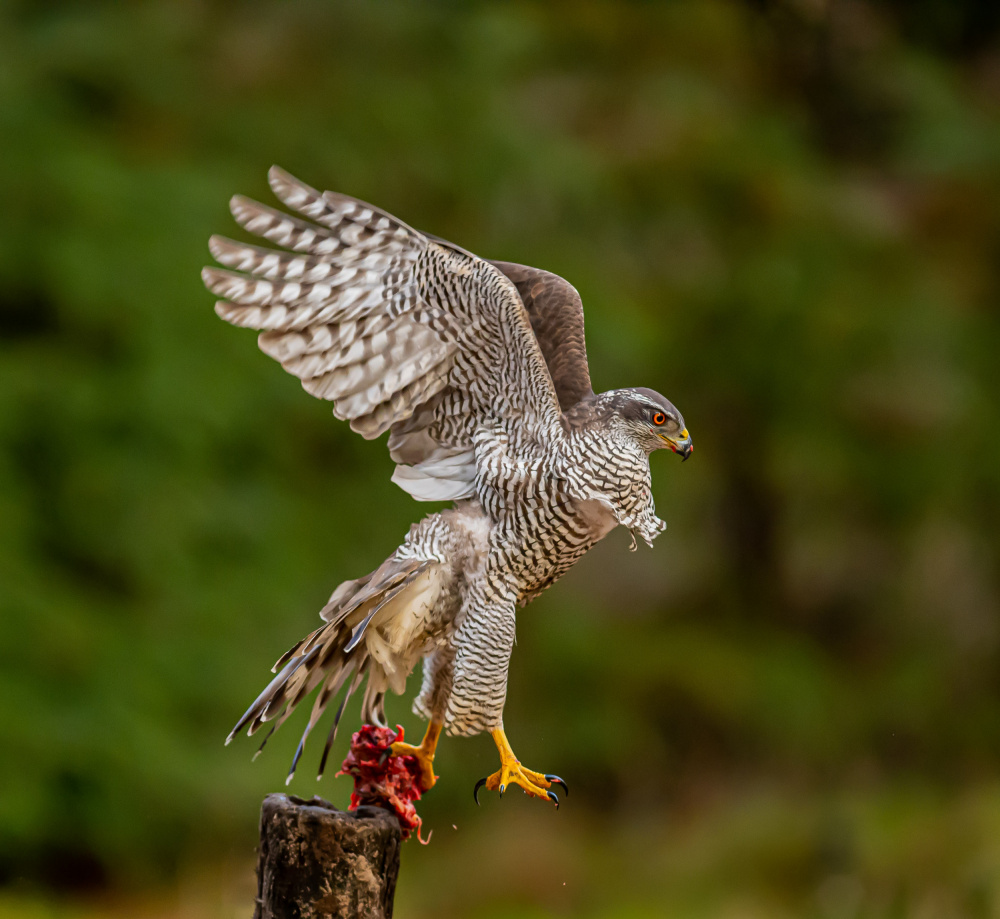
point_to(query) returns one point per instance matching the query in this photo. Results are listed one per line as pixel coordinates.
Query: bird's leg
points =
(424, 754)
(512, 772)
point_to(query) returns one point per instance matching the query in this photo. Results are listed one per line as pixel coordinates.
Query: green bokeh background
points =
(783, 214)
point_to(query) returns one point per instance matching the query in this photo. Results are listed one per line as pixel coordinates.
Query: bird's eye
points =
(659, 418)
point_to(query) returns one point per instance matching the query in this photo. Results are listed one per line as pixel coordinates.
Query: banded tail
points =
(346, 649)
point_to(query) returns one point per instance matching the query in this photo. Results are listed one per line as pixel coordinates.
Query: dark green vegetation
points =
(783, 215)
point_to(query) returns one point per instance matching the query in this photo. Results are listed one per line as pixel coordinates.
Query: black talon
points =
(475, 791)
(554, 798)
(503, 788)
(555, 780)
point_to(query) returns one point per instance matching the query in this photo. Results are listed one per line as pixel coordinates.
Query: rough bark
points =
(318, 862)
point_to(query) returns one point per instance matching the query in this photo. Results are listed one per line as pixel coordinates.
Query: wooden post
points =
(318, 862)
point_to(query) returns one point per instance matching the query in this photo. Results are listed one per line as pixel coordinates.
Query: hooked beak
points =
(681, 444)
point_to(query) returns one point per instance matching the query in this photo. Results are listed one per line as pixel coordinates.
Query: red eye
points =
(659, 418)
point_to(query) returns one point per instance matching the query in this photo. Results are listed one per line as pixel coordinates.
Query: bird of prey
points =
(478, 371)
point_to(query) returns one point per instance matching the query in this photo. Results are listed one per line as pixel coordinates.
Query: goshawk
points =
(478, 371)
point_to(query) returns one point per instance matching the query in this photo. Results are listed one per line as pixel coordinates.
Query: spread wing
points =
(400, 331)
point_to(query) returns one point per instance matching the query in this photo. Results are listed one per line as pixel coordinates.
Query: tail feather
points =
(333, 684)
(359, 631)
(261, 703)
(275, 697)
(342, 596)
(311, 678)
(290, 653)
(331, 656)
(351, 597)
(336, 723)
(267, 737)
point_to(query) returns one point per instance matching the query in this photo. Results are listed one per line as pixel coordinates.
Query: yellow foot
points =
(511, 772)
(424, 754)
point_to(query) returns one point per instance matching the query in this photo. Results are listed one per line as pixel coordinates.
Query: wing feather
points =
(556, 314)
(398, 330)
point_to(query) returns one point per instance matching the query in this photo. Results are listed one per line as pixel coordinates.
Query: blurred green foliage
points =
(783, 214)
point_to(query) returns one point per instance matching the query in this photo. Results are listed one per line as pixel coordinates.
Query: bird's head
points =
(652, 420)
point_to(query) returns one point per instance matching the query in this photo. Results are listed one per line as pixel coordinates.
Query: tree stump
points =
(318, 862)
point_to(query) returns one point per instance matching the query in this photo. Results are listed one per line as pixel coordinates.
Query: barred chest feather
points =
(594, 485)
